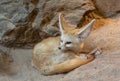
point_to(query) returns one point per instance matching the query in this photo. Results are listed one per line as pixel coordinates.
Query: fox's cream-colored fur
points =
(62, 54)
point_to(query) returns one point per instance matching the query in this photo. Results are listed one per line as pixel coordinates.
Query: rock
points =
(37, 15)
(21, 36)
(51, 30)
(5, 25)
(13, 10)
(12, 14)
(73, 10)
(108, 7)
(5, 60)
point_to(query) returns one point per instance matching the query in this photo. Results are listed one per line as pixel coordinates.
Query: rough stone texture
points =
(11, 12)
(49, 9)
(5, 25)
(5, 60)
(15, 22)
(108, 7)
(40, 16)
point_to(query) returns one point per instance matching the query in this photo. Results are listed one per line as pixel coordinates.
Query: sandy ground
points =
(105, 67)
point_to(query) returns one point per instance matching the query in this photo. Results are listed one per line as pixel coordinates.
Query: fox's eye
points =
(68, 42)
(61, 40)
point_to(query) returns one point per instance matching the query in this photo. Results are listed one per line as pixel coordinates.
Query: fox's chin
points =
(65, 50)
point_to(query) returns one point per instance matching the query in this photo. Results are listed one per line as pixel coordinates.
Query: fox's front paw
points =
(83, 56)
(96, 51)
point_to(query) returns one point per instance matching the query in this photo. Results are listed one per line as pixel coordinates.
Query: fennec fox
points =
(62, 54)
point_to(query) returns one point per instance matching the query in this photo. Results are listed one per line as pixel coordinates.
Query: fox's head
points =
(71, 38)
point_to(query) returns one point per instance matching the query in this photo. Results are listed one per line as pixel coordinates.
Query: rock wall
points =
(15, 22)
(29, 21)
(25, 22)
(11, 12)
(108, 7)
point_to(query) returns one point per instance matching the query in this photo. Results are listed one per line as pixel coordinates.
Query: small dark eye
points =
(61, 40)
(68, 42)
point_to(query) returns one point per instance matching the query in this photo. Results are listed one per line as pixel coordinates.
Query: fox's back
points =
(47, 45)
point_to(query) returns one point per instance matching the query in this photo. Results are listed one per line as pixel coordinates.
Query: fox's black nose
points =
(59, 48)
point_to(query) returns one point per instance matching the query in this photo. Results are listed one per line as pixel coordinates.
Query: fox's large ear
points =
(60, 23)
(84, 31)
(63, 25)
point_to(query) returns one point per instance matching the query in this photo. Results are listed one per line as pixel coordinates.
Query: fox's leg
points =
(69, 65)
(95, 52)
(83, 56)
